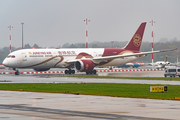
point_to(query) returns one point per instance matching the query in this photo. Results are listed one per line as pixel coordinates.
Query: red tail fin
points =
(135, 42)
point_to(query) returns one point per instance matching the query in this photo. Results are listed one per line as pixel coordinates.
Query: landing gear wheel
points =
(17, 73)
(91, 72)
(66, 71)
(94, 71)
(69, 71)
(72, 71)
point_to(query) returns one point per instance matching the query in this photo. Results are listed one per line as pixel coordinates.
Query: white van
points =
(172, 72)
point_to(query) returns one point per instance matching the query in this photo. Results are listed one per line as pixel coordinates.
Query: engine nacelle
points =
(84, 65)
(41, 69)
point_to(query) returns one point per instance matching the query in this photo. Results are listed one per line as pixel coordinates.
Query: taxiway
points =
(15, 105)
(47, 106)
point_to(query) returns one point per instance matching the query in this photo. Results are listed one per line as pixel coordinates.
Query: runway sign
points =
(177, 98)
(158, 89)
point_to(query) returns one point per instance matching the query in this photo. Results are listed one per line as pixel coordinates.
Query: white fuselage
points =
(59, 58)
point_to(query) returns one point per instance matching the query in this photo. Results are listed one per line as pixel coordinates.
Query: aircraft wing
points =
(99, 59)
(71, 61)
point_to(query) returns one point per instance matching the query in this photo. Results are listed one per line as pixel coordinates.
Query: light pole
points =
(112, 43)
(10, 37)
(87, 31)
(152, 41)
(22, 34)
(177, 57)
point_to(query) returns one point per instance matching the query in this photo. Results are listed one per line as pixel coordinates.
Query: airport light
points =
(87, 31)
(177, 57)
(112, 43)
(10, 37)
(152, 41)
(22, 34)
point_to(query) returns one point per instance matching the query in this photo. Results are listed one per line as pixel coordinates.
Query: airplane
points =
(161, 64)
(83, 60)
(134, 65)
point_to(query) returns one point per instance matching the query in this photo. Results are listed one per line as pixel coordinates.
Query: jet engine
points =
(84, 65)
(41, 69)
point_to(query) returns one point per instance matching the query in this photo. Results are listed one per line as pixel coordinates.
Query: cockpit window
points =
(11, 56)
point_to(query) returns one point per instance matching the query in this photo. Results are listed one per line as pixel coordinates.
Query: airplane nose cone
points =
(5, 62)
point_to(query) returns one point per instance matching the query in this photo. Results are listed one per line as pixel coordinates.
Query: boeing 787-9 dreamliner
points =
(83, 60)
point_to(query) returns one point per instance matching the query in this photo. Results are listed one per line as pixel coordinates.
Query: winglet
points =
(135, 42)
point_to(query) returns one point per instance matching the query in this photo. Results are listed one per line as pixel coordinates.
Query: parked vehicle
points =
(172, 72)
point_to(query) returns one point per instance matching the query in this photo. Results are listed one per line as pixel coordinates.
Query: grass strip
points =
(133, 78)
(101, 89)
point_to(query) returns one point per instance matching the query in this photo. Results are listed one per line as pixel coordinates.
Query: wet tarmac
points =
(61, 79)
(48, 106)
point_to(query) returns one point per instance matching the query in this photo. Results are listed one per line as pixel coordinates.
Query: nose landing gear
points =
(16, 71)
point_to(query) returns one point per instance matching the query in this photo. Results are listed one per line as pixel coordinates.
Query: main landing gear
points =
(73, 72)
(91, 72)
(69, 71)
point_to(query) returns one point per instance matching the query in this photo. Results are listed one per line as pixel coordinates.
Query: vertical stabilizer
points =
(165, 59)
(135, 42)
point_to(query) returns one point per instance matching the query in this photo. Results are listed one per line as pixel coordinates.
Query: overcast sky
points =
(55, 22)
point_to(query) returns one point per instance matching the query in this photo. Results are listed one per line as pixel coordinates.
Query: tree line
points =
(145, 46)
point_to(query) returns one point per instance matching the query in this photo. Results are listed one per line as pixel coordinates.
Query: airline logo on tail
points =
(137, 40)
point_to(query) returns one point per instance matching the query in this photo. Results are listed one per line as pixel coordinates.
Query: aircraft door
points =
(95, 54)
(24, 57)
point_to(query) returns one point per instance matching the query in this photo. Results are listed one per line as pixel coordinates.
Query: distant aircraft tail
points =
(135, 42)
(165, 59)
